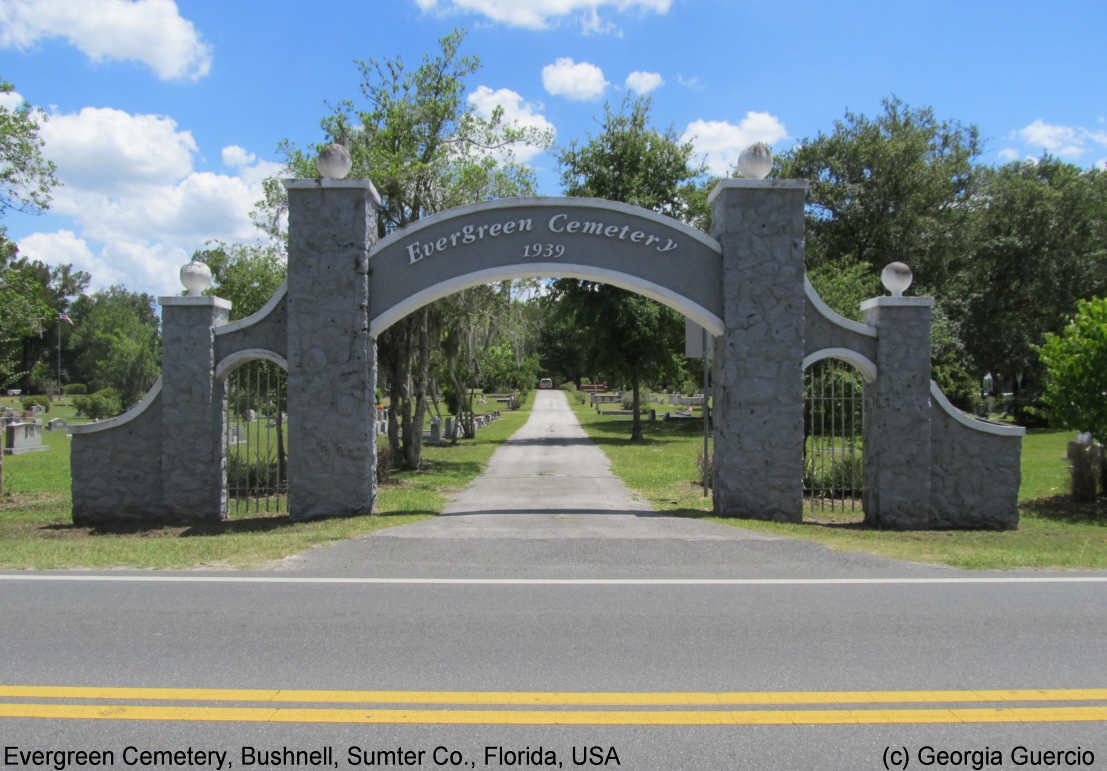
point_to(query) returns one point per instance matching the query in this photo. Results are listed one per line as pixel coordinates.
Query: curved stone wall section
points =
(267, 329)
(975, 469)
(542, 236)
(823, 328)
(116, 465)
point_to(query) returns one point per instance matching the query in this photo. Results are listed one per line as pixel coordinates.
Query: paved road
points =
(775, 630)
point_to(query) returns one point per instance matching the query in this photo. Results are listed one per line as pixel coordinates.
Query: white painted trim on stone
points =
(334, 184)
(119, 420)
(705, 318)
(258, 315)
(970, 422)
(897, 302)
(214, 302)
(832, 316)
(551, 203)
(231, 360)
(863, 363)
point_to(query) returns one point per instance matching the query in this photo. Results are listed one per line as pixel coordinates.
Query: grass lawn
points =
(37, 531)
(1053, 532)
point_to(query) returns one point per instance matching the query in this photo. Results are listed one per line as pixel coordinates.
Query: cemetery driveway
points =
(549, 480)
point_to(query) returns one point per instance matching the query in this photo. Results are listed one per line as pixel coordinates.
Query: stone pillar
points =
(332, 368)
(758, 369)
(191, 408)
(897, 414)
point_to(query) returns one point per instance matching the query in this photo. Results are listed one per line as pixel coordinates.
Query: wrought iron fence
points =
(833, 447)
(256, 440)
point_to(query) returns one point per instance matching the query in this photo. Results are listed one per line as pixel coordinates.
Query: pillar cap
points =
(897, 302)
(333, 184)
(761, 184)
(202, 301)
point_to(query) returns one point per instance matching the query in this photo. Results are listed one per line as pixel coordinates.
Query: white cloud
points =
(12, 100)
(1101, 164)
(1059, 140)
(692, 82)
(516, 113)
(1009, 154)
(235, 156)
(132, 189)
(579, 81)
(720, 142)
(150, 31)
(104, 147)
(643, 82)
(1071, 142)
(541, 14)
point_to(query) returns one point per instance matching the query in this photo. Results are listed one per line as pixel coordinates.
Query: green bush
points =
(30, 401)
(253, 478)
(74, 388)
(580, 396)
(569, 386)
(104, 403)
(843, 474)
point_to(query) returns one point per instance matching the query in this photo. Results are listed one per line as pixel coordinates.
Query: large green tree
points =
(894, 187)
(630, 161)
(414, 134)
(1039, 245)
(115, 332)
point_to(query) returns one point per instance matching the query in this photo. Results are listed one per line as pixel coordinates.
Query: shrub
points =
(253, 477)
(628, 402)
(103, 404)
(580, 396)
(569, 386)
(586, 381)
(74, 388)
(30, 401)
(842, 474)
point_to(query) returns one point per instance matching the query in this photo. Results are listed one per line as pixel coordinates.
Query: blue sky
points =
(165, 116)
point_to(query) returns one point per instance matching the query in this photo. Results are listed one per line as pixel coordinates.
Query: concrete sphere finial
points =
(756, 161)
(334, 161)
(896, 277)
(196, 277)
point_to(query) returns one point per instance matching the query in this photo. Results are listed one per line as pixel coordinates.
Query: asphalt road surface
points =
(551, 620)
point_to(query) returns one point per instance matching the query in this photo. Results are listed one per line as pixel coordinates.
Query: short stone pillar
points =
(451, 429)
(897, 414)
(192, 462)
(332, 372)
(758, 470)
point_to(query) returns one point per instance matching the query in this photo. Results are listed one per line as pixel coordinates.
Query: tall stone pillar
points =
(191, 408)
(332, 373)
(758, 414)
(897, 414)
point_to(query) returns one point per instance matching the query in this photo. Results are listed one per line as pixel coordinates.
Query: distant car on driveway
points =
(545, 383)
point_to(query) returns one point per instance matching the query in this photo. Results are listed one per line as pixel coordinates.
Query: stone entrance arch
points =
(927, 464)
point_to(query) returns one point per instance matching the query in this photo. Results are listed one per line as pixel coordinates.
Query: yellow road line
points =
(554, 717)
(544, 698)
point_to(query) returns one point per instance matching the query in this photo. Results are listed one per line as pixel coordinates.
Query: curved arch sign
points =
(538, 237)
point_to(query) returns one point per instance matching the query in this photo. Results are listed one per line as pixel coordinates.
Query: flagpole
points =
(59, 356)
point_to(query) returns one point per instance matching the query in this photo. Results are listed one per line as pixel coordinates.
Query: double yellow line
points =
(550, 708)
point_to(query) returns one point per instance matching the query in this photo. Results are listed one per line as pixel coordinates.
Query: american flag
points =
(63, 316)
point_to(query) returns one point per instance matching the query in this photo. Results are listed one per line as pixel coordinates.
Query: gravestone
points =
(57, 424)
(436, 431)
(23, 437)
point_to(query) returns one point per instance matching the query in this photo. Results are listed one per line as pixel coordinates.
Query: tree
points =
(629, 161)
(896, 187)
(1075, 363)
(115, 333)
(26, 177)
(1040, 244)
(425, 150)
